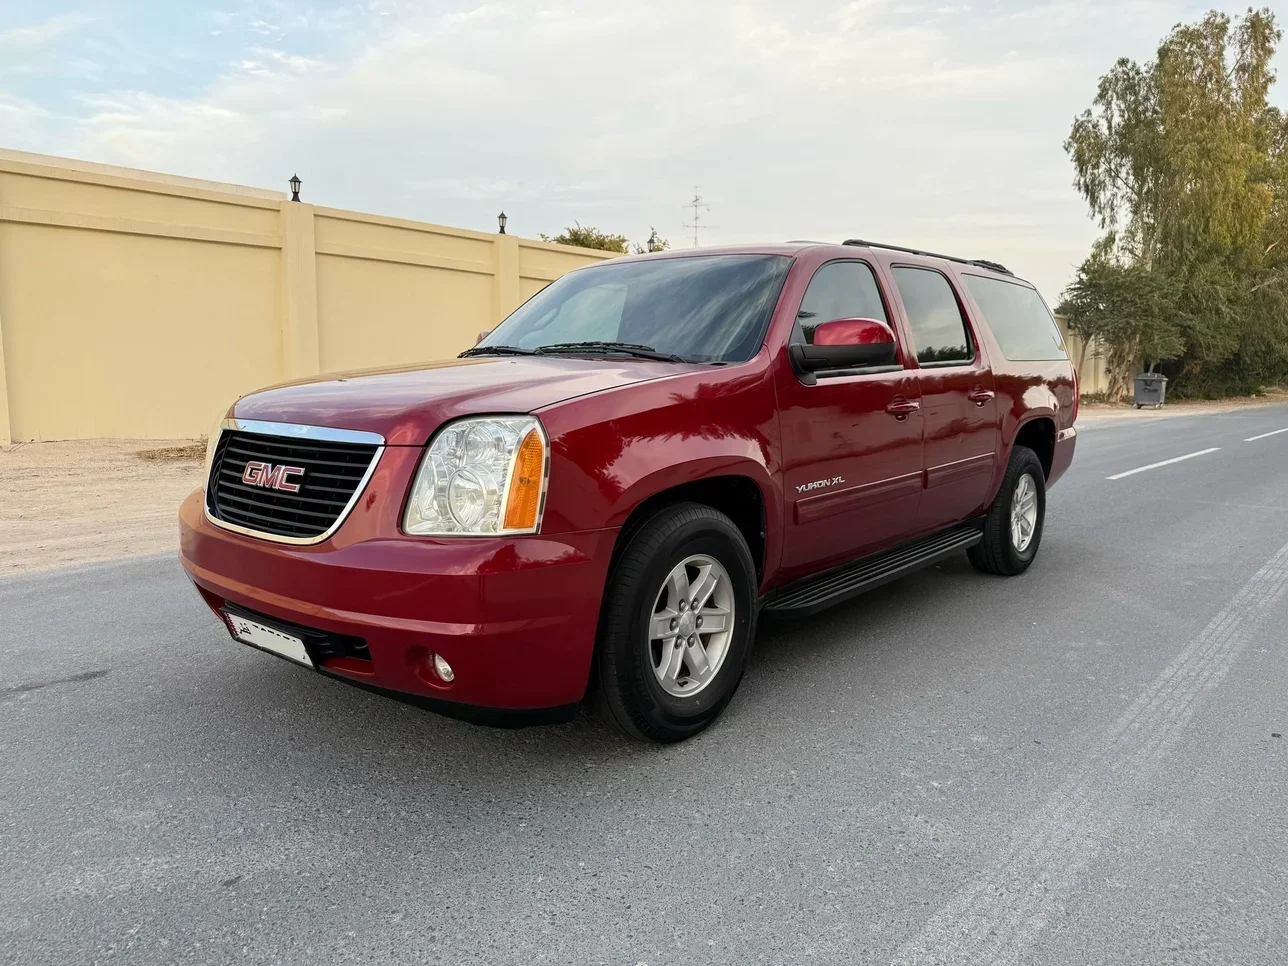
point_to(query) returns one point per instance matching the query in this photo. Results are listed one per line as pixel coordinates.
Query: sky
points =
(937, 124)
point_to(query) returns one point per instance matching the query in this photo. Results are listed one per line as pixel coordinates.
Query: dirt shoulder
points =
(89, 500)
(1100, 412)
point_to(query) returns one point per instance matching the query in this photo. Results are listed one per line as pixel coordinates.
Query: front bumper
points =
(514, 616)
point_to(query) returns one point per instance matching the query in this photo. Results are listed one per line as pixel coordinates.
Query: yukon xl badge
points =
(819, 484)
(272, 477)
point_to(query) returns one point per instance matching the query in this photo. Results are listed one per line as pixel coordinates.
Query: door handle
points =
(979, 395)
(900, 408)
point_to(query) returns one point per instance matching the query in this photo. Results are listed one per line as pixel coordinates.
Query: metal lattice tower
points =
(699, 205)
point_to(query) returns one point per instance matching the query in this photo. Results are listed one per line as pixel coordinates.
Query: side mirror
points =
(482, 335)
(847, 344)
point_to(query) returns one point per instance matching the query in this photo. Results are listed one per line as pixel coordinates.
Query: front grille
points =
(333, 471)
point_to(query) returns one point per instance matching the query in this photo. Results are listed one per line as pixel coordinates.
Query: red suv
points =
(606, 493)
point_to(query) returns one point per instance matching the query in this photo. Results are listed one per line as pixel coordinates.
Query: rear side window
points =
(934, 316)
(839, 290)
(1019, 318)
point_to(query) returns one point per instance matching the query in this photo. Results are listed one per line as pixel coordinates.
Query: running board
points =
(812, 594)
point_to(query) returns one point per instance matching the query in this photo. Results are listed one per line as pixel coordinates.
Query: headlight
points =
(484, 474)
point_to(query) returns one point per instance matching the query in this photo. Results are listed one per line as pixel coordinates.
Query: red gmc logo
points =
(272, 477)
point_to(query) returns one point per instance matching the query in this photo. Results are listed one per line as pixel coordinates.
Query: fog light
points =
(443, 669)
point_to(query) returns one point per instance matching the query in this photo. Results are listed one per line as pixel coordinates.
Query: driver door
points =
(852, 441)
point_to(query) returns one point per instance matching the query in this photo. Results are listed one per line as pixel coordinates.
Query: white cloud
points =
(920, 121)
(23, 122)
(25, 38)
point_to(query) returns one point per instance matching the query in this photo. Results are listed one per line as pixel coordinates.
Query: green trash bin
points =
(1151, 389)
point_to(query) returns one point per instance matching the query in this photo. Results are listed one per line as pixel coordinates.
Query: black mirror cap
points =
(819, 358)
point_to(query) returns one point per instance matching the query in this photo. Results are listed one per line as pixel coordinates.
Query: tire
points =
(998, 552)
(649, 689)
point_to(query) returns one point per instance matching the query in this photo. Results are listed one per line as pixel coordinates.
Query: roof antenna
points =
(699, 205)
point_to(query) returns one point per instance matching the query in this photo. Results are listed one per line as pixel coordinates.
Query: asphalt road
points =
(1077, 766)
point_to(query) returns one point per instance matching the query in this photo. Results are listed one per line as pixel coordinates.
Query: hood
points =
(406, 405)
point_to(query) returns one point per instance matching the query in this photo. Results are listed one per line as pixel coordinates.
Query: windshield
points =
(705, 308)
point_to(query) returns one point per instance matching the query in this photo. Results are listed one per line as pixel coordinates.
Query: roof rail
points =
(995, 266)
(979, 262)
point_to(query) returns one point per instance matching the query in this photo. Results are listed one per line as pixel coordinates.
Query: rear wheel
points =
(1013, 528)
(679, 615)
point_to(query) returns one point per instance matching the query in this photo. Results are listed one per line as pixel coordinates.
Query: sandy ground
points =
(1099, 412)
(77, 502)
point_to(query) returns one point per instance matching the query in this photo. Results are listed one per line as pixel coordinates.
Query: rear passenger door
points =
(851, 438)
(957, 397)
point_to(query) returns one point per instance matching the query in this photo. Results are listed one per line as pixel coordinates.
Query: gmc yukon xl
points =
(604, 495)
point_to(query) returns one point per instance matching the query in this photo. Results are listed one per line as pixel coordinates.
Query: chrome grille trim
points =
(301, 433)
(323, 434)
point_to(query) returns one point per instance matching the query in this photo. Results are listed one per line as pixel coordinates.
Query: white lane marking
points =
(1154, 466)
(997, 915)
(1253, 439)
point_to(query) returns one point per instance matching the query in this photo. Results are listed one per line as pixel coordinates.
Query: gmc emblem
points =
(272, 477)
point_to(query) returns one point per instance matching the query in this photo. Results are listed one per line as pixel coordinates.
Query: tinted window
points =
(584, 316)
(706, 308)
(934, 316)
(1019, 319)
(839, 290)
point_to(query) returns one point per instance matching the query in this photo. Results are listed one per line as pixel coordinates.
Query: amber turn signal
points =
(526, 478)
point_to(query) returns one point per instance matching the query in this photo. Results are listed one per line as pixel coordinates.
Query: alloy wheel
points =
(1024, 512)
(691, 625)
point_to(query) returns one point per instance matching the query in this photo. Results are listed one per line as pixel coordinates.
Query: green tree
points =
(654, 243)
(583, 236)
(587, 237)
(1128, 309)
(1184, 163)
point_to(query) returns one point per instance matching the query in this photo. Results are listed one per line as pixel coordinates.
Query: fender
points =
(1009, 431)
(610, 453)
(715, 467)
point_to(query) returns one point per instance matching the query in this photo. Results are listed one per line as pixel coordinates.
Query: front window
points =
(839, 290)
(702, 308)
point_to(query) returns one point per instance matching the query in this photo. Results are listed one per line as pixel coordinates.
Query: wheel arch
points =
(738, 495)
(1037, 432)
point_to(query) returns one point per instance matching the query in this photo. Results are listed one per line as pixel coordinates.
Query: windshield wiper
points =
(497, 350)
(625, 348)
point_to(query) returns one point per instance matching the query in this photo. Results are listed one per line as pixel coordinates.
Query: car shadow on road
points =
(340, 716)
(318, 731)
(872, 616)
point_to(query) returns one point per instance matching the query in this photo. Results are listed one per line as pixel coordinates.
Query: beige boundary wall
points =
(135, 304)
(1094, 375)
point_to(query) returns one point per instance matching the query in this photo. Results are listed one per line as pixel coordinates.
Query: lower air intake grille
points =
(281, 486)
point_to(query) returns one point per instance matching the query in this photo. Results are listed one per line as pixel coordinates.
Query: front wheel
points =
(679, 616)
(1013, 527)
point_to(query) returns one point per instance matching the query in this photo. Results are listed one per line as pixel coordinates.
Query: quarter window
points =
(938, 329)
(1019, 319)
(839, 290)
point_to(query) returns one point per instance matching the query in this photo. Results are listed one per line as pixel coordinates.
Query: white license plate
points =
(270, 639)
